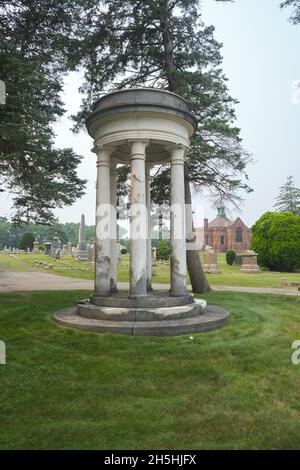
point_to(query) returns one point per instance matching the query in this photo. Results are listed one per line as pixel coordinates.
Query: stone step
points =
(151, 300)
(88, 310)
(214, 317)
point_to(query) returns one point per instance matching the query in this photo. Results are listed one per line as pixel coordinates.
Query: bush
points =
(163, 250)
(276, 239)
(123, 251)
(26, 241)
(230, 257)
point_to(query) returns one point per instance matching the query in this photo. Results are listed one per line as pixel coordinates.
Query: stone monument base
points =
(250, 269)
(153, 315)
(211, 269)
(82, 255)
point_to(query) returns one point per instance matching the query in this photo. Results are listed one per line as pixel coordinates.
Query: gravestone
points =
(47, 248)
(210, 264)
(56, 254)
(91, 253)
(82, 251)
(56, 247)
(69, 248)
(35, 247)
(249, 263)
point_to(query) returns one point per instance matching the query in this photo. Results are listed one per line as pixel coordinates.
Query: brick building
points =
(224, 234)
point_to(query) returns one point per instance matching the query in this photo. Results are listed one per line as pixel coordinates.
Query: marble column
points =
(178, 230)
(103, 223)
(113, 242)
(138, 221)
(148, 205)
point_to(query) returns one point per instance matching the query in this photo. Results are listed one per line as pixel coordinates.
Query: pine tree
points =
(34, 38)
(289, 198)
(162, 43)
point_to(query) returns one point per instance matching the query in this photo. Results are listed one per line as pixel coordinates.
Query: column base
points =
(134, 296)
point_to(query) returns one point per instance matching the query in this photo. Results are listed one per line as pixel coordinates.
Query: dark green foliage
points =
(10, 235)
(34, 37)
(276, 239)
(27, 241)
(230, 257)
(163, 250)
(289, 198)
(123, 251)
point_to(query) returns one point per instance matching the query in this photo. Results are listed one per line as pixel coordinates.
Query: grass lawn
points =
(9, 262)
(230, 276)
(231, 388)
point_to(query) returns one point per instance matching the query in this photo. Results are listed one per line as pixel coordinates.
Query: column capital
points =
(99, 148)
(178, 153)
(138, 148)
(103, 153)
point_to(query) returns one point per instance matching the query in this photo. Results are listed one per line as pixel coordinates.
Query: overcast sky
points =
(261, 61)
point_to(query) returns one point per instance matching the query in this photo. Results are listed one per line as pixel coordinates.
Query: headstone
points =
(47, 248)
(91, 253)
(56, 247)
(35, 247)
(82, 252)
(56, 254)
(64, 249)
(69, 248)
(249, 263)
(56, 243)
(210, 264)
(153, 253)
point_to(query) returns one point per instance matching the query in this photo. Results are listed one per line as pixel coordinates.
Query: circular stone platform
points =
(160, 315)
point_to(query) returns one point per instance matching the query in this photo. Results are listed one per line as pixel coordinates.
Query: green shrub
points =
(163, 250)
(27, 241)
(230, 257)
(276, 239)
(123, 251)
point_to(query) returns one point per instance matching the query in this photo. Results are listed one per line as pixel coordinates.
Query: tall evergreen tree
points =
(164, 43)
(289, 198)
(34, 38)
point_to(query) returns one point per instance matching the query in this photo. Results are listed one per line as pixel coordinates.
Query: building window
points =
(239, 235)
(222, 240)
(206, 239)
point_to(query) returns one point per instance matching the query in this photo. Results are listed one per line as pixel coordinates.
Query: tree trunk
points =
(168, 47)
(197, 277)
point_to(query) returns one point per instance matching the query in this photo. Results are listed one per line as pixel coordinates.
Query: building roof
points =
(221, 220)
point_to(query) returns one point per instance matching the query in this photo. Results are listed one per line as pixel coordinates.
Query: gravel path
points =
(11, 281)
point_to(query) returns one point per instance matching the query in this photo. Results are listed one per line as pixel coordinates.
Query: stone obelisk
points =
(82, 251)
